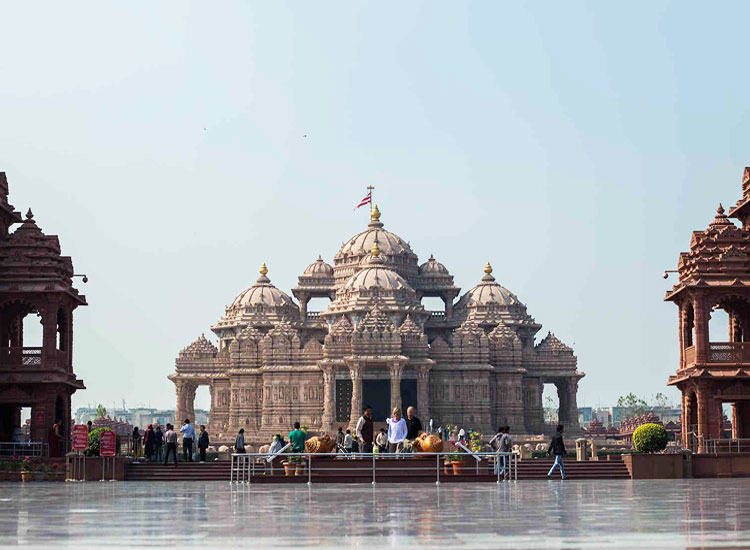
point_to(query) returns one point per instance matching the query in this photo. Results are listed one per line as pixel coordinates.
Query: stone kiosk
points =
(473, 363)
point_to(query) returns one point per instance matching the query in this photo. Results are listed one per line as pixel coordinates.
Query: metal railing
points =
(725, 446)
(246, 466)
(9, 449)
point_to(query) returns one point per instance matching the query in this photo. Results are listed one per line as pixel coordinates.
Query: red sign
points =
(80, 436)
(107, 443)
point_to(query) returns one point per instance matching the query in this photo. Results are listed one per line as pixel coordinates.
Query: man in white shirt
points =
(188, 436)
(348, 441)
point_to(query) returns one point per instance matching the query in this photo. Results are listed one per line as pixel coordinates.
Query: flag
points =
(366, 200)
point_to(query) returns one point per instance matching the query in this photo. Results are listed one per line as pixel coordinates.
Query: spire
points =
(263, 272)
(375, 218)
(488, 273)
(721, 218)
(29, 215)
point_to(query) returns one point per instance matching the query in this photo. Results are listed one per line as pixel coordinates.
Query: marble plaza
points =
(543, 514)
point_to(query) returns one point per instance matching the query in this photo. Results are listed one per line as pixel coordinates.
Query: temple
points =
(715, 274)
(473, 363)
(36, 286)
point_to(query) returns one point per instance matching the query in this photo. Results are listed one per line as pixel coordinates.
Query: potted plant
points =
(299, 463)
(14, 468)
(448, 465)
(458, 463)
(27, 470)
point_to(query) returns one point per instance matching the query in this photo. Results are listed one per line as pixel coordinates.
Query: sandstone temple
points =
(474, 363)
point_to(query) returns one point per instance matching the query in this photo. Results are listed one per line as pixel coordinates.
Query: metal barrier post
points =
(437, 469)
(373, 468)
(309, 469)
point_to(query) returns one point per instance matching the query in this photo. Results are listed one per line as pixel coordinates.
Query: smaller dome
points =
(319, 269)
(488, 292)
(433, 267)
(374, 274)
(262, 293)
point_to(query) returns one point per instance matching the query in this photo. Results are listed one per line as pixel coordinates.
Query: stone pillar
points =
(355, 371)
(701, 330)
(423, 393)
(303, 300)
(709, 416)
(329, 398)
(685, 419)
(189, 403)
(736, 420)
(49, 338)
(573, 403)
(396, 370)
(682, 322)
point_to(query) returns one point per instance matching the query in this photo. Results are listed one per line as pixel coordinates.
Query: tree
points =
(101, 412)
(632, 404)
(661, 401)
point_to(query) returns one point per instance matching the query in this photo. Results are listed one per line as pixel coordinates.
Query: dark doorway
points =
(377, 394)
(343, 400)
(409, 395)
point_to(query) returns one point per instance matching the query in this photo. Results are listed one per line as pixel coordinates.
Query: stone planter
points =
(40, 476)
(13, 476)
(299, 470)
(448, 469)
(27, 476)
(288, 468)
(458, 468)
(3, 475)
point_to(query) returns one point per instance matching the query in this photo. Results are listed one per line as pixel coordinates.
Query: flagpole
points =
(370, 188)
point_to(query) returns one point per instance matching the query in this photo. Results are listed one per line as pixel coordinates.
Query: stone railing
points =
(722, 352)
(690, 355)
(313, 315)
(437, 314)
(20, 357)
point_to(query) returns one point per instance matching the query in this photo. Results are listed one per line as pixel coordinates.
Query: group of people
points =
(159, 445)
(391, 440)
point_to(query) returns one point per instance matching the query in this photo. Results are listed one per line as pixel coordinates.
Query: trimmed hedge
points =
(650, 438)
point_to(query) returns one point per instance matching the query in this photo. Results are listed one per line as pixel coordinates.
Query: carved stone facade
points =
(36, 285)
(473, 363)
(715, 274)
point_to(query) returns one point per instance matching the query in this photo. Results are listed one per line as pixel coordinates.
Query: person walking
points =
(188, 437)
(339, 440)
(348, 441)
(203, 443)
(297, 439)
(239, 442)
(159, 443)
(382, 441)
(557, 447)
(413, 425)
(171, 439)
(148, 442)
(365, 430)
(396, 431)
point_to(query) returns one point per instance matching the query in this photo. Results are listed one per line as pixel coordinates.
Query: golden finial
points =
(375, 250)
(375, 214)
(488, 268)
(263, 269)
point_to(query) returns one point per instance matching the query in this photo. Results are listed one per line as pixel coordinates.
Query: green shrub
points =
(93, 448)
(650, 438)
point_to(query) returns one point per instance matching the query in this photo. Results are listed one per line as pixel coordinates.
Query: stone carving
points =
(427, 443)
(320, 444)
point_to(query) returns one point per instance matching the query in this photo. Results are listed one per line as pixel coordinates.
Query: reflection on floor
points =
(529, 514)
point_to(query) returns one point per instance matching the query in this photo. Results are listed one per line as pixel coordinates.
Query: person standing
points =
(159, 443)
(365, 430)
(396, 431)
(148, 442)
(188, 437)
(55, 439)
(297, 439)
(276, 445)
(557, 447)
(239, 442)
(339, 440)
(506, 446)
(440, 432)
(461, 435)
(90, 426)
(382, 441)
(413, 425)
(203, 443)
(348, 441)
(171, 439)
(136, 442)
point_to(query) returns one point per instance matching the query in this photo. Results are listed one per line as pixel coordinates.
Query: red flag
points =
(366, 200)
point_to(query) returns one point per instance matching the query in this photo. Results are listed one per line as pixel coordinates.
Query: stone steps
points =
(353, 471)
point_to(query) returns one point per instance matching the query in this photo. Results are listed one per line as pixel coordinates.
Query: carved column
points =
(423, 393)
(573, 403)
(49, 337)
(685, 419)
(329, 398)
(701, 329)
(355, 371)
(681, 323)
(189, 403)
(303, 299)
(179, 410)
(396, 370)
(736, 421)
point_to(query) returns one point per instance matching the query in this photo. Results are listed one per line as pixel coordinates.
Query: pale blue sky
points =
(575, 145)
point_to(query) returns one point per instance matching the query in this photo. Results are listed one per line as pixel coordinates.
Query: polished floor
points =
(529, 514)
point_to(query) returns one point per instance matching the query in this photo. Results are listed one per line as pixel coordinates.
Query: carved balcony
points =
(16, 357)
(722, 352)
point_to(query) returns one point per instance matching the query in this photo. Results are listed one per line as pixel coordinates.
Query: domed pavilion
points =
(474, 363)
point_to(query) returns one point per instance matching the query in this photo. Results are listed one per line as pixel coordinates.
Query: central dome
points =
(396, 252)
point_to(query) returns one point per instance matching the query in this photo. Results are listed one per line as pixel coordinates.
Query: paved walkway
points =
(529, 514)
